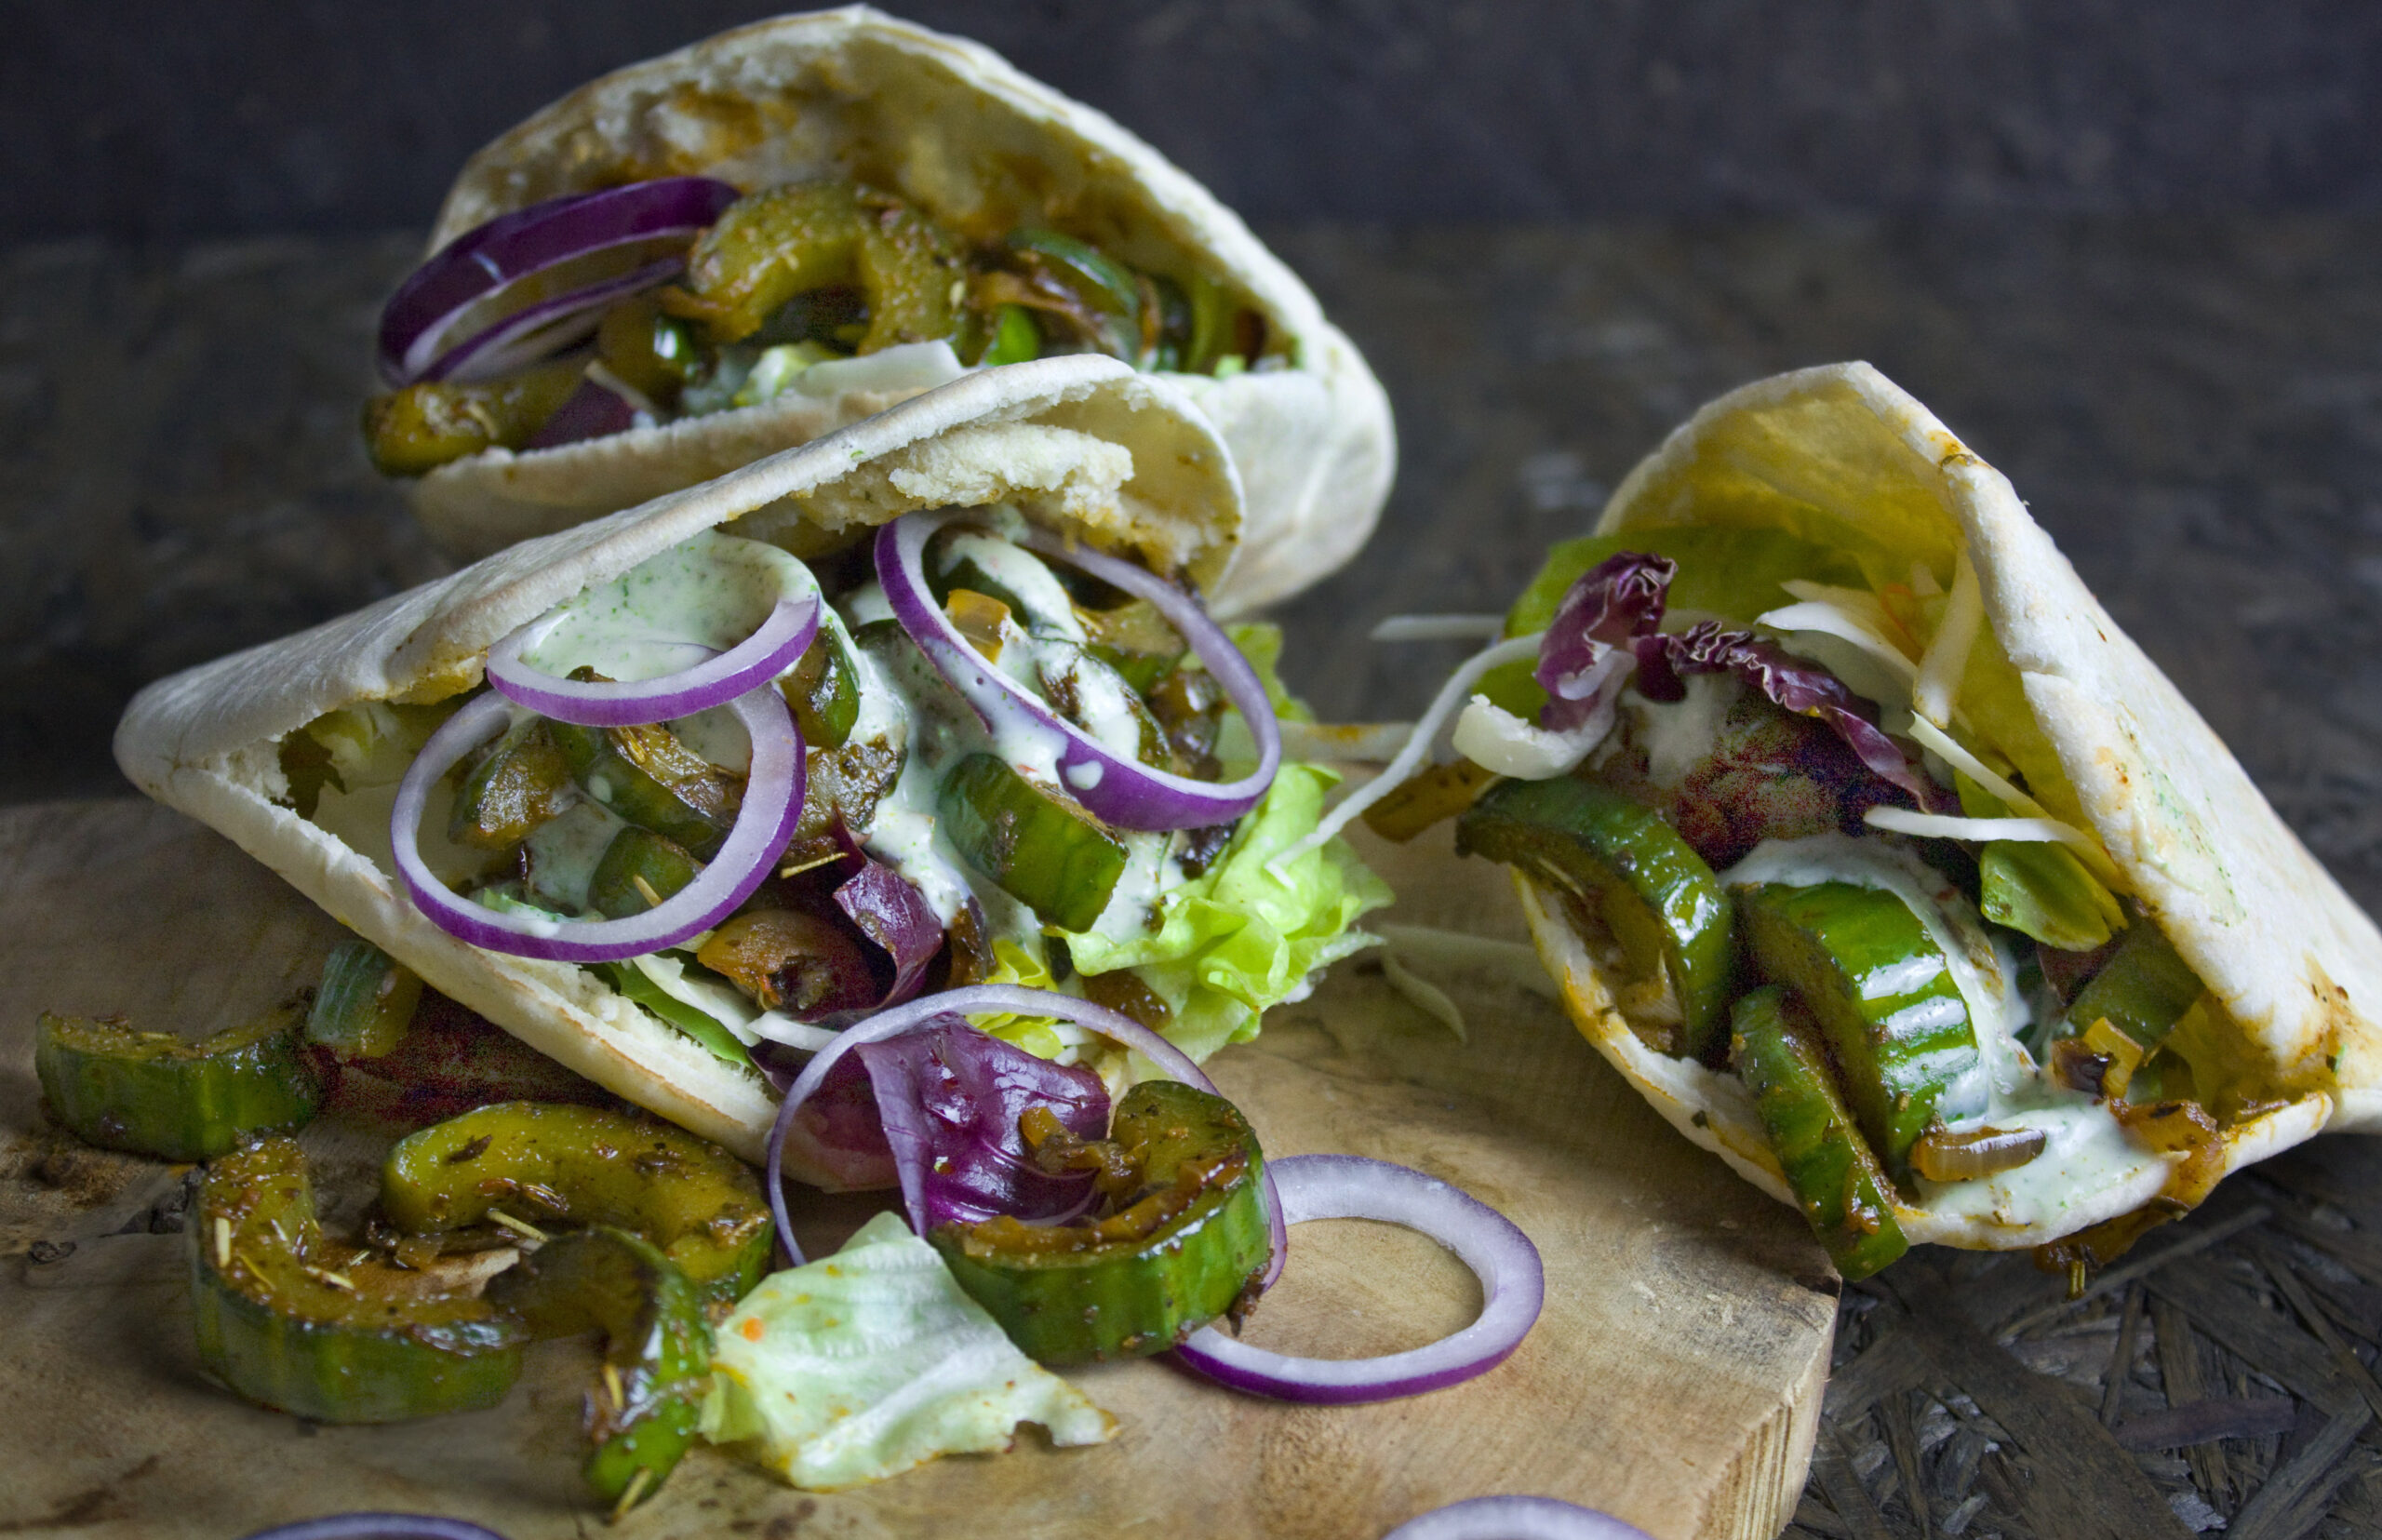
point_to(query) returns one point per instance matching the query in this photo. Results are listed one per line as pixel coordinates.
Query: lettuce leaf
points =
(2039, 889)
(1239, 939)
(871, 1362)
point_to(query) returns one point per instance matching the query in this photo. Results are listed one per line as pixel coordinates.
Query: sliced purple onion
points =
(546, 328)
(1513, 1284)
(1112, 786)
(477, 266)
(991, 1000)
(950, 1098)
(773, 804)
(717, 680)
(379, 1526)
(1514, 1518)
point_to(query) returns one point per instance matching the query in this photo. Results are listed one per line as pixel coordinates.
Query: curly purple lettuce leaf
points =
(1586, 656)
(949, 1098)
(1796, 685)
(893, 915)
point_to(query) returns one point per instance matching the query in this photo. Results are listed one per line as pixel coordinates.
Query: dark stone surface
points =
(2194, 409)
(148, 118)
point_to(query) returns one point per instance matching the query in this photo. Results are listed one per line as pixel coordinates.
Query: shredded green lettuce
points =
(634, 982)
(1238, 938)
(2038, 888)
(869, 1363)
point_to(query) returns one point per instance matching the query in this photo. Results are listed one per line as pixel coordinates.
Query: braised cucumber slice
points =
(366, 1002)
(1037, 847)
(289, 1320)
(1173, 1258)
(153, 1093)
(2143, 990)
(1836, 1181)
(1883, 995)
(1651, 891)
(656, 1349)
(539, 1162)
(636, 872)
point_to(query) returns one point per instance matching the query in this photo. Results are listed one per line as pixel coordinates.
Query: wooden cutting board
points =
(1673, 1378)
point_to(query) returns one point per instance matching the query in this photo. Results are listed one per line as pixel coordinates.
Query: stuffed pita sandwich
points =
(737, 247)
(1861, 839)
(663, 797)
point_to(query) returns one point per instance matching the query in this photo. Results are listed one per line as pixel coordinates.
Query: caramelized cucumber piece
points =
(1882, 993)
(1184, 1243)
(516, 786)
(366, 1001)
(1631, 870)
(1037, 846)
(773, 245)
(1836, 1180)
(153, 1093)
(537, 1162)
(823, 689)
(290, 1321)
(2143, 990)
(636, 872)
(641, 1416)
(645, 775)
(414, 430)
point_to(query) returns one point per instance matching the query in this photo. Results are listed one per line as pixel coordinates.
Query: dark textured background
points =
(145, 118)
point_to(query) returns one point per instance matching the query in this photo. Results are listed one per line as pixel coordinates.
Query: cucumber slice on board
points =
(290, 1321)
(1651, 890)
(1883, 992)
(153, 1093)
(366, 1003)
(1836, 1180)
(1146, 1276)
(656, 1349)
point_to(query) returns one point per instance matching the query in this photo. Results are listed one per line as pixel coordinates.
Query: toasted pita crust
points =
(1842, 455)
(952, 126)
(1081, 444)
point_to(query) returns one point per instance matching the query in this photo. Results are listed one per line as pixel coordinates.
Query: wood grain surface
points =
(1673, 1380)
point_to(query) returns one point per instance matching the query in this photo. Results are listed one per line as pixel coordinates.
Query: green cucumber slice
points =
(2143, 990)
(1650, 889)
(366, 1001)
(641, 1416)
(1037, 847)
(1883, 992)
(153, 1093)
(1837, 1183)
(1140, 1282)
(290, 1321)
(540, 1161)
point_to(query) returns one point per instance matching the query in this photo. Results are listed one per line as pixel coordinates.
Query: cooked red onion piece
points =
(889, 911)
(379, 1526)
(1514, 1518)
(593, 410)
(477, 265)
(544, 328)
(988, 999)
(745, 667)
(773, 803)
(1113, 786)
(1513, 1283)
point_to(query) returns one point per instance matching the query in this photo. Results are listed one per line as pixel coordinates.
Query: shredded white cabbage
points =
(1417, 750)
(1938, 684)
(1948, 748)
(1942, 826)
(1438, 628)
(1829, 618)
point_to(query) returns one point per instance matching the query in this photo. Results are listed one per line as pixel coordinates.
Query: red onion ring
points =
(1348, 1186)
(1514, 1518)
(1112, 786)
(773, 804)
(986, 999)
(751, 664)
(545, 327)
(481, 262)
(379, 1526)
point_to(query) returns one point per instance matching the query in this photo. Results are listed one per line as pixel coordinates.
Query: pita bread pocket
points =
(1080, 448)
(917, 199)
(1817, 701)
